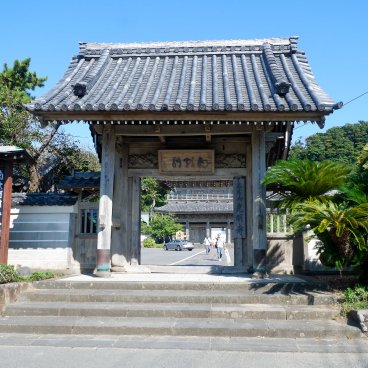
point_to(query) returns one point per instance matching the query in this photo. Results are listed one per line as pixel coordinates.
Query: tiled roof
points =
(43, 199)
(14, 153)
(264, 75)
(178, 207)
(81, 180)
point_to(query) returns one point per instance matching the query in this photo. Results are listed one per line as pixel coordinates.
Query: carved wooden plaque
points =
(186, 162)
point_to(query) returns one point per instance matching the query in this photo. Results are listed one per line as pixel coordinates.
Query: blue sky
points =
(332, 33)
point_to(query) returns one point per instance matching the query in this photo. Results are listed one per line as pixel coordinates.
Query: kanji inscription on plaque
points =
(186, 162)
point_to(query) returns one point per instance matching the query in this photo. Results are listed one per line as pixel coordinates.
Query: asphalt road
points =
(196, 257)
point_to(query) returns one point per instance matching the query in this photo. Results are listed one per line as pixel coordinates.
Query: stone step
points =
(255, 285)
(174, 310)
(193, 343)
(179, 296)
(177, 327)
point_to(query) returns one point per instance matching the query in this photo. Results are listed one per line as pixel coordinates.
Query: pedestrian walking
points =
(220, 247)
(207, 244)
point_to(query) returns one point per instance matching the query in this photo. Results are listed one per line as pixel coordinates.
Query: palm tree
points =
(341, 227)
(319, 195)
(302, 180)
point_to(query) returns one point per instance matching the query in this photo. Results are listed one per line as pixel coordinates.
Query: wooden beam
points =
(219, 174)
(182, 130)
(178, 116)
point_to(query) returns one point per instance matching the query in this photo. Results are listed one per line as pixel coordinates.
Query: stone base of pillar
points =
(102, 274)
(118, 269)
(259, 261)
(118, 260)
(103, 260)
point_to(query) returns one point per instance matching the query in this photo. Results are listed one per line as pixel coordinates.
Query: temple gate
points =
(176, 110)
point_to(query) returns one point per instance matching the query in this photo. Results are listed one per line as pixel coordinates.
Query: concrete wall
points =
(284, 253)
(41, 237)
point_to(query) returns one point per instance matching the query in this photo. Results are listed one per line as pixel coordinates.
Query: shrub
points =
(8, 274)
(37, 276)
(355, 298)
(149, 243)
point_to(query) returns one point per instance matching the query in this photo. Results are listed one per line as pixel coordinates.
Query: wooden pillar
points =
(136, 221)
(259, 201)
(129, 235)
(119, 247)
(6, 182)
(248, 262)
(240, 225)
(106, 199)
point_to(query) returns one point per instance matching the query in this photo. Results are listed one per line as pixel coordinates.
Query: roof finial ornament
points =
(80, 89)
(281, 84)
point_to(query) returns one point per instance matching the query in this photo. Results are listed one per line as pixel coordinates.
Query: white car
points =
(178, 245)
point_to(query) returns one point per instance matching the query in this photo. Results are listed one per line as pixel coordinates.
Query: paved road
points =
(197, 257)
(45, 351)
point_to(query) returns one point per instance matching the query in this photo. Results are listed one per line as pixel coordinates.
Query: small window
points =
(89, 221)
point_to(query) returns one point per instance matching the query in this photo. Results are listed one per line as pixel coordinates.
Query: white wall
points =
(41, 237)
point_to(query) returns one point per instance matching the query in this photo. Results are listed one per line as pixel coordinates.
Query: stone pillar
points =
(259, 231)
(106, 199)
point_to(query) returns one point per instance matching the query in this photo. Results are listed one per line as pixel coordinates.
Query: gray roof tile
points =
(244, 75)
(177, 207)
(86, 180)
(43, 199)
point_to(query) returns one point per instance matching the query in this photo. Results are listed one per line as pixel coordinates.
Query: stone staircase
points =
(269, 310)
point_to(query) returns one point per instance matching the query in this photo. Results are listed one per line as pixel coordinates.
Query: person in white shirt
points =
(220, 247)
(207, 244)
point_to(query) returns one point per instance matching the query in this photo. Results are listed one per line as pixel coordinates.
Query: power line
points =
(356, 98)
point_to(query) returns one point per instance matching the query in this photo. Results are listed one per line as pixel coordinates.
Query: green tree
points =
(153, 194)
(342, 144)
(163, 227)
(53, 151)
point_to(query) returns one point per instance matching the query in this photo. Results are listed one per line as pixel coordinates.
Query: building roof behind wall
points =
(86, 180)
(43, 199)
(181, 207)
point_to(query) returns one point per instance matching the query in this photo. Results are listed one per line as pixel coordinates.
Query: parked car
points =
(178, 245)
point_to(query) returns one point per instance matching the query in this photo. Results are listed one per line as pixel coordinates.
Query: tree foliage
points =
(343, 144)
(163, 227)
(342, 228)
(301, 180)
(153, 194)
(322, 196)
(55, 153)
